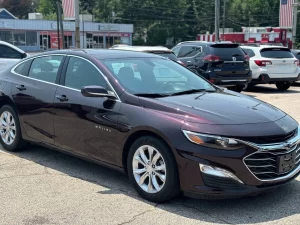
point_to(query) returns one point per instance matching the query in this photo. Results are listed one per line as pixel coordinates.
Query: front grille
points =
(271, 139)
(266, 165)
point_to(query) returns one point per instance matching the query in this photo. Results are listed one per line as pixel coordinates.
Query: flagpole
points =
(77, 22)
(57, 18)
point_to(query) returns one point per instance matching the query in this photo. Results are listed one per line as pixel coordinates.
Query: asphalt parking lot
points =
(40, 186)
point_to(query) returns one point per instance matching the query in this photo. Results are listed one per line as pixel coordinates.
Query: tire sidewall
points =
(15, 144)
(283, 86)
(171, 186)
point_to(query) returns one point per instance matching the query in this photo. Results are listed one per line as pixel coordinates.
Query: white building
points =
(36, 35)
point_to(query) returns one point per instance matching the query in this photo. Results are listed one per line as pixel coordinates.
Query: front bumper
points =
(255, 180)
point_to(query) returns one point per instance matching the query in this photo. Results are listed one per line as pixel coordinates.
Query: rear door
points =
(230, 60)
(33, 92)
(281, 61)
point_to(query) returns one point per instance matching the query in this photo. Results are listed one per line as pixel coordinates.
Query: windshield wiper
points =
(191, 91)
(151, 95)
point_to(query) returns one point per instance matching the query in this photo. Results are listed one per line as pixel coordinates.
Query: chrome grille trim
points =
(263, 163)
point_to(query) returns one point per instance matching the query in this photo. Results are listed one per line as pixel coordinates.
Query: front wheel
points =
(283, 86)
(153, 170)
(10, 131)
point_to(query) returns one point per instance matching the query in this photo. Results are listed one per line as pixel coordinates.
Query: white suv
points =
(272, 64)
(10, 54)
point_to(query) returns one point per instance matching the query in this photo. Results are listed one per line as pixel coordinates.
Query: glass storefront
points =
(19, 38)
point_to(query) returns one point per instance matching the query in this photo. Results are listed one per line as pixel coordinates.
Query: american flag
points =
(69, 9)
(286, 13)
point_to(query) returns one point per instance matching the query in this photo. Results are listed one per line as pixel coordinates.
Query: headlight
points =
(212, 141)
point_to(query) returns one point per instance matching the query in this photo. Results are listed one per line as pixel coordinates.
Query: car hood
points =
(223, 108)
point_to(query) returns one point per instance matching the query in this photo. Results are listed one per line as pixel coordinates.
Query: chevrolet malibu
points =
(171, 131)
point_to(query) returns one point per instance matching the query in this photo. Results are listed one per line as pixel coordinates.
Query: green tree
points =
(46, 7)
(19, 8)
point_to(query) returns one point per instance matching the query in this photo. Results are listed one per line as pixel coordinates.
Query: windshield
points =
(155, 76)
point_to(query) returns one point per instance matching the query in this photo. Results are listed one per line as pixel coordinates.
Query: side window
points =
(23, 68)
(45, 68)
(82, 73)
(9, 53)
(249, 52)
(189, 51)
(176, 51)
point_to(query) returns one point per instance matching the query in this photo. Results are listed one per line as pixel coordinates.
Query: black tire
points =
(237, 88)
(283, 86)
(171, 188)
(18, 142)
(250, 87)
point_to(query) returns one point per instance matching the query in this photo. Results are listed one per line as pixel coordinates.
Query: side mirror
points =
(24, 55)
(97, 91)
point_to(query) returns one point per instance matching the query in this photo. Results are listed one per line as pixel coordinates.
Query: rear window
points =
(225, 51)
(276, 53)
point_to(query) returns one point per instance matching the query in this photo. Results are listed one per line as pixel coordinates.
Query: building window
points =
(19, 38)
(6, 36)
(31, 38)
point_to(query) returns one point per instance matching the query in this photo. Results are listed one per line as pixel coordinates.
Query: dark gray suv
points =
(222, 63)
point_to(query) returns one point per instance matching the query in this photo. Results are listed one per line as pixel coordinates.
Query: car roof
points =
(11, 46)
(143, 48)
(204, 42)
(101, 53)
(262, 47)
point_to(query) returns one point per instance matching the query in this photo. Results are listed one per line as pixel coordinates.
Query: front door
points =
(85, 125)
(33, 94)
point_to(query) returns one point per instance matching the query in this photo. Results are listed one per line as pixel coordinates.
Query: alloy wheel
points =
(149, 169)
(7, 128)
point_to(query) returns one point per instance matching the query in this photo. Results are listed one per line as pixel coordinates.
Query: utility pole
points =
(57, 18)
(294, 29)
(217, 19)
(77, 31)
(224, 14)
(61, 25)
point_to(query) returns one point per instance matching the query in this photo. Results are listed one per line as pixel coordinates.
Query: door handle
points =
(21, 87)
(62, 98)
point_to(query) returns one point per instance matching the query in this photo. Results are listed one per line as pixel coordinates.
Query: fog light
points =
(218, 172)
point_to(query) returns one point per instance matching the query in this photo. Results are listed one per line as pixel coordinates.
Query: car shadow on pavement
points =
(271, 89)
(275, 205)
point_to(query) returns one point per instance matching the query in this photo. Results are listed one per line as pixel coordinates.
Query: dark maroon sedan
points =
(168, 129)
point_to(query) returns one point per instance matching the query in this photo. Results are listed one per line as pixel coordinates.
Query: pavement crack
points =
(210, 215)
(138, 215)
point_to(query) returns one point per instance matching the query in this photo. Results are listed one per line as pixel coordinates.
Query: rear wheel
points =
(283, 86)
(152, 170)
(10, 131)
(237, 88)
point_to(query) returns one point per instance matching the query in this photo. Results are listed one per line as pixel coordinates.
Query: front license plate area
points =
(286, 163)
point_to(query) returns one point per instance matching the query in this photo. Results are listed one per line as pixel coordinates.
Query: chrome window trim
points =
(39, 56)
